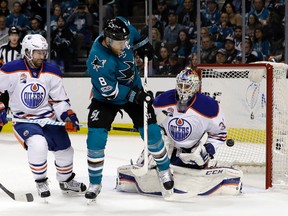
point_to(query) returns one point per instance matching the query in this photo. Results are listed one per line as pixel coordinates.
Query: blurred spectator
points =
(187, 16)
(3, 30)
(211, 15)
(250, 55)
(260, 11)
(80, 23)
(237, 36)
(235, 18)
(203, 32)
(4, 10)
(274, 32)
(35, 26)
(192, 61)
(139, 64)
(261, 43)
(155, 24)
(93, 9)
(162, 61)
(208, 53)
(11, 50)
(172, 30)
(252, 23)
(156, 41)
(162, 12)
(221, 56)
(31, 8)
(16, 18)
(57, 12)
(182, 47)
(221, 31)
(237, 4)
(61, 44)
(173, 67)
(68, 6)
(232, 52)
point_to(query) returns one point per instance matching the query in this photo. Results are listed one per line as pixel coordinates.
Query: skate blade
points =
(45, 200)
(91, 201)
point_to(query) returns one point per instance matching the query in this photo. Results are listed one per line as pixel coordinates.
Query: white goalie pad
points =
(212, 181)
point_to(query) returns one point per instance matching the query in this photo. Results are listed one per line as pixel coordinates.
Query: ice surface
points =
(16, 176)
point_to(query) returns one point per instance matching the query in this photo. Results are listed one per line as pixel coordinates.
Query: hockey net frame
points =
(274, 136)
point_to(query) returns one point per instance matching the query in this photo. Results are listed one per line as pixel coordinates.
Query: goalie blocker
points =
(216, 181)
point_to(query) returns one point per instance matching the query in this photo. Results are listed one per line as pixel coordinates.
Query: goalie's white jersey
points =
(34, 93)
(203, 115)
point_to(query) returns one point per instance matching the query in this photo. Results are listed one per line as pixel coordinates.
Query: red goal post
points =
(254, 98)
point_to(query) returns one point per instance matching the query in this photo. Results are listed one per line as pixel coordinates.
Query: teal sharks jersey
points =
(112, 75)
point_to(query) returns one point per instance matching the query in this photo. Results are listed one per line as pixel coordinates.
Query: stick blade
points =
(24, 197)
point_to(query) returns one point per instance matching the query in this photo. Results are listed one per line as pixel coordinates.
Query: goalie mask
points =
(187, 84)
(117, 35)
(31, 43)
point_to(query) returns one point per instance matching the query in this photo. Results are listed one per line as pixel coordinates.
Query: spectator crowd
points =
(74, 25)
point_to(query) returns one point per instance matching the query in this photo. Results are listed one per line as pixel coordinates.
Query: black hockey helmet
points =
(116, 29)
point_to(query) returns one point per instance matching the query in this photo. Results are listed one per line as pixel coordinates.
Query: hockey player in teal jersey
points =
(116, 86)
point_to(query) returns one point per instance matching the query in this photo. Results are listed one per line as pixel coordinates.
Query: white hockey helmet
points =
(33, 42)
(187, 84)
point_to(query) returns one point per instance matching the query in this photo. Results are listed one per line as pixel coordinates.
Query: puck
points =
(230, 142)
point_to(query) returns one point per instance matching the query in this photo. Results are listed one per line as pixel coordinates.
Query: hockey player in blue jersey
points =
(117, 86)
(36, 92)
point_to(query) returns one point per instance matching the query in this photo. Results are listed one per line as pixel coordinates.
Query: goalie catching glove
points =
(200, 156)
(72, 122)
(138, 96)
(3, 114)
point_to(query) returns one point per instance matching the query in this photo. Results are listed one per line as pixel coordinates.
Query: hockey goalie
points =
(193, 127)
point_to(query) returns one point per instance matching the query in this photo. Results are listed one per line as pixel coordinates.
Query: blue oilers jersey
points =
(112, 76)
(202, 115)
(34, 93)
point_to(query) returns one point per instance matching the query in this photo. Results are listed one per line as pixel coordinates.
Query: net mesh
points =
(242, 92)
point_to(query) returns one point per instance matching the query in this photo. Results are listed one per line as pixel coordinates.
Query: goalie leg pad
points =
(213, 181)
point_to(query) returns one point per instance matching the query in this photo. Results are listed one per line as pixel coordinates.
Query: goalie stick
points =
(18, 197)
(144, 169)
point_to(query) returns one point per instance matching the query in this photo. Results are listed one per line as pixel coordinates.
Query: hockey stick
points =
(18, 197)
(41, 122)
(144, 169)
(124, 129)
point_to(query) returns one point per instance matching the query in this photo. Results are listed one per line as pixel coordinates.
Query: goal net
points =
(254, 98)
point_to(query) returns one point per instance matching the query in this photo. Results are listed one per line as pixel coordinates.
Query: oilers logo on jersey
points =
(33, 95)
(179, 129)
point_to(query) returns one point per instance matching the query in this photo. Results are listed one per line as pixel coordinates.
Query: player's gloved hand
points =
(72, 122)
(143, 48)
(210, 150)
(3, 114)
(199, 157)
(138, 96)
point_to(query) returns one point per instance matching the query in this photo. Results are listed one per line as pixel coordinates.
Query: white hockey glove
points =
(200, 156)
(151, 162)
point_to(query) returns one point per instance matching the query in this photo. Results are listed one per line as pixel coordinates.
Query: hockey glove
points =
(138, 96)
(3, 114)
(143, 48)
(72, 122)
(199, 157)
(210, 150)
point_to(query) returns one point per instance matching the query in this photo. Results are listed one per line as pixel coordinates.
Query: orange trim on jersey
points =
(64, 170)
(38, 169)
